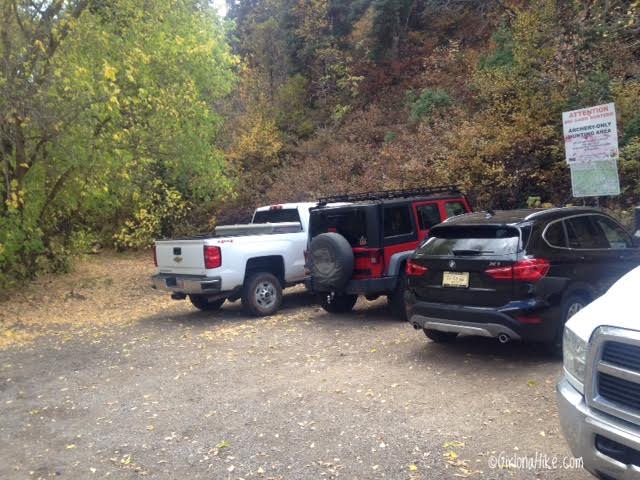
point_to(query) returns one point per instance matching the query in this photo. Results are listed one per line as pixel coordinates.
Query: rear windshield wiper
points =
(470, 252)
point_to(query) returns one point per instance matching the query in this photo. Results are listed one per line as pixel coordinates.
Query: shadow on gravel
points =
(480, 350)
(231, 312)
(365, 314)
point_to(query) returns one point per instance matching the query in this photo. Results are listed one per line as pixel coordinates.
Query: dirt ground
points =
(100, 376)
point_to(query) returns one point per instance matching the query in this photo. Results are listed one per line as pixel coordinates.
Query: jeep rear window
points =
(351, 224)
(277, 216)
(472, 240)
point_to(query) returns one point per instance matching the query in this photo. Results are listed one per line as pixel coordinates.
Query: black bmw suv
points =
(514, 275)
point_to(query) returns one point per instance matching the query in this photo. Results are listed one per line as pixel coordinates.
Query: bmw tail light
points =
(530, 270)
(212, 257)
(414, 270)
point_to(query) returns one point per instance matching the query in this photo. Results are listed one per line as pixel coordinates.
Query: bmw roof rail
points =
(390, 194)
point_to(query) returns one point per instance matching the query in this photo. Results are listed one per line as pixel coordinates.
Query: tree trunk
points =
(395, 39)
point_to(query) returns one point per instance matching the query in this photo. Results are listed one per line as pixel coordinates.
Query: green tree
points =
(105, 105)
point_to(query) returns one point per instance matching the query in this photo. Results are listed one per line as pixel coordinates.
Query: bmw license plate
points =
(455, 279)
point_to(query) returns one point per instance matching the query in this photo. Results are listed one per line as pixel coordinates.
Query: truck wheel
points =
(396, 299)
(262, 294)
(339, 303)
(440, 337)
(201, 302)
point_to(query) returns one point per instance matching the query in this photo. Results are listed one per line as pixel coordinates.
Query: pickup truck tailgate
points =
(184, 257)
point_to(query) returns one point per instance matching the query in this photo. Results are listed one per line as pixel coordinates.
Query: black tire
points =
(339, 303)
(262, 294)
(201, 302)
(330, 261)
(570, 306)
(440, 337)
(396, 299)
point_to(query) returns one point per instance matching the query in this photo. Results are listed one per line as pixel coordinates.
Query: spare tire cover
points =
(331, 261)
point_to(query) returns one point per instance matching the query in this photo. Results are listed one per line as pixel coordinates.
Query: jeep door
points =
(428, 215)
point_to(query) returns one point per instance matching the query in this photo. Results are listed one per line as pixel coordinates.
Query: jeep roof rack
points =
(389, 194)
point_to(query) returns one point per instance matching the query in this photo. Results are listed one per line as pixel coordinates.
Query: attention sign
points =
(591, 147)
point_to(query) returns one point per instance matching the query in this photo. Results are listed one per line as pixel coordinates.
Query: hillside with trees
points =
(122, 121)
(342, 96)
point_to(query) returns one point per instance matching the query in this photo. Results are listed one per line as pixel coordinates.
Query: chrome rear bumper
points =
(187, 284)
(493, 330)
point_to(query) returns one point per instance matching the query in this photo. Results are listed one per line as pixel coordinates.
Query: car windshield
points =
(471, 241)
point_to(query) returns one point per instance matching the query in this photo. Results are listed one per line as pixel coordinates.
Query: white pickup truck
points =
(599, 393)
(254, 262)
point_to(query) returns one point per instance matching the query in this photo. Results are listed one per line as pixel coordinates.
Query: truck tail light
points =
(212, 257)
(376, 257)
(368, 263)
(155, 255)
(414, 270)
(530, 270)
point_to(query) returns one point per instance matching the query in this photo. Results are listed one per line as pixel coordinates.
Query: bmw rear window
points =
(472, 240)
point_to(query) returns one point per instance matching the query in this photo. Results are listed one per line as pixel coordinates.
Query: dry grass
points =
(103, 293)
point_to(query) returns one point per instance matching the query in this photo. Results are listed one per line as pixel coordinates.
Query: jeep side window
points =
(428, 216)
(454, 208)
(583, 234)
(616, 236)
(397, 221)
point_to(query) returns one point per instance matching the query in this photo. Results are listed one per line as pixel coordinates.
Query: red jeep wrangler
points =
(360, 246)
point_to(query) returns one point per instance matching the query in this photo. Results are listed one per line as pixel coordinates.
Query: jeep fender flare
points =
(397, 262)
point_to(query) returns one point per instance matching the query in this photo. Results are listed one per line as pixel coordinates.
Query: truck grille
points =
(622, 354)
(613, 379)
(619, 391)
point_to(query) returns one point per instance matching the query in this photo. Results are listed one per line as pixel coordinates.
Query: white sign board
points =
(591, 147)
(590, 134)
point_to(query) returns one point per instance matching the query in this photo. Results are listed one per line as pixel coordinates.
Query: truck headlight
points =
(574, 351)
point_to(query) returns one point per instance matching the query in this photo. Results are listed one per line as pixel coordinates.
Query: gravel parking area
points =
(100, 376)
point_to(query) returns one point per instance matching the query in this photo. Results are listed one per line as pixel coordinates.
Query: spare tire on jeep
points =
(330, 261)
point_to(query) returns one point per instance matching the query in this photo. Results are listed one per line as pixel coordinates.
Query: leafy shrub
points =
(630, 170)
(390, 137)
(427, 103)
(156, 216)
(502, 56)
(632, 130)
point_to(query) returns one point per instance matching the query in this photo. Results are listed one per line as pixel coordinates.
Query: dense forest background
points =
(121, 121)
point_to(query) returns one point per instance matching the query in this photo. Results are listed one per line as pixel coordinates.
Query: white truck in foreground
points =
(254, 262)
(599, 393)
